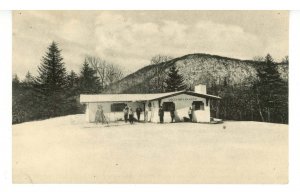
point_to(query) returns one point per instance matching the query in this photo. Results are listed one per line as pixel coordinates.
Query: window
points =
(198, 105)
(167, 106)
(117, 107)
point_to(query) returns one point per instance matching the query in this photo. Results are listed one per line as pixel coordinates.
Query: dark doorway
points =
(168, 106)
(198, 105)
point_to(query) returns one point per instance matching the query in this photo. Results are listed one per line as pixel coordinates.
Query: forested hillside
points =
(250, 90)
(196, 69)
(238, 82)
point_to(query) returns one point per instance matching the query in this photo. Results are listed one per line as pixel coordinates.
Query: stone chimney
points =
(200, 89)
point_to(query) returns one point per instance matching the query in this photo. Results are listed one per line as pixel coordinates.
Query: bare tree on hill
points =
(160, 59)
(114, 73)
(159, 74)
(258, 58)
(108, 73)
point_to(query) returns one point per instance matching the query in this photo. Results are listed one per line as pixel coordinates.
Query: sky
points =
(130, 39)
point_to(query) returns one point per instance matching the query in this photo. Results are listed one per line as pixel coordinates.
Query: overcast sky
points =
(131, 38)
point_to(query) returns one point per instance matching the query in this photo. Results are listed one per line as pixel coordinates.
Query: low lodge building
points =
(181, 101)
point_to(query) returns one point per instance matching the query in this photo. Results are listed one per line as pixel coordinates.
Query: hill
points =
(211, 70)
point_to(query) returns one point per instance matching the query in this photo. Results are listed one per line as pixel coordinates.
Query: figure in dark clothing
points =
(138, 113)
(126, 114)
(130, 112)
(190, 112)
(161, 114)
(172, 113)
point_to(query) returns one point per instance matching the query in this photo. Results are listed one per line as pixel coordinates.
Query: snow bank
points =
(68, 150)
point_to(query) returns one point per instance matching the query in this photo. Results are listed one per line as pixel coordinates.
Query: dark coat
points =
(172, 112)
(138, 110)
(161, 112)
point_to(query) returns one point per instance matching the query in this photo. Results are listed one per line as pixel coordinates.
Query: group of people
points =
(161, 114)
(100, 117)
(172, 114)
(129, 114)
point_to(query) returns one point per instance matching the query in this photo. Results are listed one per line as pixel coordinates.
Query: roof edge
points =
(164, 95)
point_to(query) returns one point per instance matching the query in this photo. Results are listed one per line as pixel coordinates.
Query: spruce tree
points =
(72, 80)
(72, 93)
(174, 81)
(29, 79)
(23, 101)
(272, 92)
(89, 82)
(15, 82)
(16, 104)
(51, 83)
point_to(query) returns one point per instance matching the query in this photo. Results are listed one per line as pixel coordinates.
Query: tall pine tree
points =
(24, 105)
(72, 80)
(15, 82)
(29, 79)
(174, 81)
(89, 82)
(16, 104)
(51, 83)
(271, 93)
(72, 93)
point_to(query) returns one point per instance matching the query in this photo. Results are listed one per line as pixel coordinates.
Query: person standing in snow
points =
(99, 115)
(190, 112)
(130, 113)
(150, 113)
(172, 113)
(161, 114)
(125, 110)
(138, 113)
(146, 114)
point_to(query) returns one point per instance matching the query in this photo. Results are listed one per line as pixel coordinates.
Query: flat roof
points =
(92, 98)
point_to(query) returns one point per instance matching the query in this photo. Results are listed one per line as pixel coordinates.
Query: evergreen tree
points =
(72, 93)
(15, 82)
(23, 104)
(174, 81)
(89, 82)
(51, 83)
(72, 80)
(29, 79)
(271, 93)
(16, 107)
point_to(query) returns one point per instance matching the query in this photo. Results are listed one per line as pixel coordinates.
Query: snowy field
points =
(69, 150)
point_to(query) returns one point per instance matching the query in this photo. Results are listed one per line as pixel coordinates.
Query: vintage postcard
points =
(154, 97)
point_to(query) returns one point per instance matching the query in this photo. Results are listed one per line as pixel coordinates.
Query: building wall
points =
(182, 104)
(202, 115)
(110, 116)
(154, 111)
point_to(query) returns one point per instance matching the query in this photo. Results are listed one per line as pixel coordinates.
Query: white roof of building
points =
(136, 97)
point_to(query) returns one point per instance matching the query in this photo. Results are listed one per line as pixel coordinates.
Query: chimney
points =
(200, 89)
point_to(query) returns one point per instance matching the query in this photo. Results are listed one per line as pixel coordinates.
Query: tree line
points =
(263, 97)
(55, 92)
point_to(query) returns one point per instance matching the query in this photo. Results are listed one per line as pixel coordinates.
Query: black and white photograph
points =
(150, 97)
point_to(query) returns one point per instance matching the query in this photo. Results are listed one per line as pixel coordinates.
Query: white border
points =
(294, 84)
(149, 4)
(5, 118)
(5, 101)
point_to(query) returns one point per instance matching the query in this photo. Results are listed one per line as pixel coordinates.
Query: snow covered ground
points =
(69, 150)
